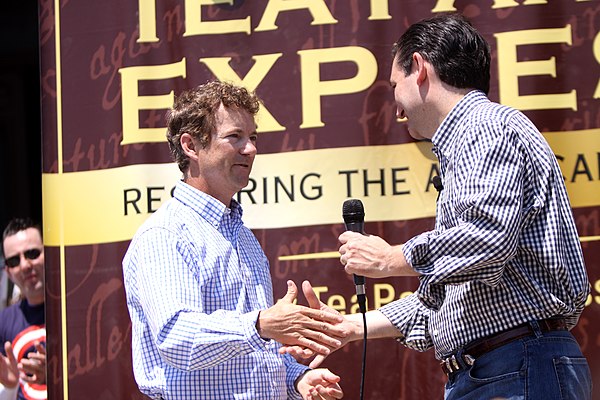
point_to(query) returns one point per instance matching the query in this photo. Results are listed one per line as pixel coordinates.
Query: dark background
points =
(20, 144)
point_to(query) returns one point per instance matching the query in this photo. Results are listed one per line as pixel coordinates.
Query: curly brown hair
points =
(194, 112)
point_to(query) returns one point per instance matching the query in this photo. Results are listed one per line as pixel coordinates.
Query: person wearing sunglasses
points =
(22, 325)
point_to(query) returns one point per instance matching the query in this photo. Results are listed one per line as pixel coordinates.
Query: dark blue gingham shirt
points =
(195, 280)
(505, 249)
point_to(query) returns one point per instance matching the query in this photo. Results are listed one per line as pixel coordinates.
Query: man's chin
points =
(416, 135)
(243, 183)
(35, 287)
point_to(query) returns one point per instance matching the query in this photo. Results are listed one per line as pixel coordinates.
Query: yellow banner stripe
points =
(292, 189)
(577, 152)
(589, 238)
(336, 254)
(310, 256)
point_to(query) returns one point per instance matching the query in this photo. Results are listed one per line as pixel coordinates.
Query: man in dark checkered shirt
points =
(502, 277)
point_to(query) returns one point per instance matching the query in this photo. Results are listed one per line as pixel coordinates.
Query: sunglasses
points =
(14, 261)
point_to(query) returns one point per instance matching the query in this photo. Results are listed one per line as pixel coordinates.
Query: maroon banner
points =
(110, 70)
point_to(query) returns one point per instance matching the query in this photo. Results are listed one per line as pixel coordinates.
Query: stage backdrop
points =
(328, 132)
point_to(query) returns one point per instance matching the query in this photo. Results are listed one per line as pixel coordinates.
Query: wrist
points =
(11, 386)
(356, 327)
(401, 267)
(299, 378)
(260, 327)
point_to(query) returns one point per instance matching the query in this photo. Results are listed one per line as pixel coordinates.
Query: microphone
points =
(353, 213)
(437, 183)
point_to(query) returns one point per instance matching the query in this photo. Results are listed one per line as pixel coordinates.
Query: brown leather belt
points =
(479, 347)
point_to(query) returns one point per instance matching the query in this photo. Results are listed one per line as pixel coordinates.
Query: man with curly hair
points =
(198, 284)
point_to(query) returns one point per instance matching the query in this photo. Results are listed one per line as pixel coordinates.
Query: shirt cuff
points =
(249, 325)
(411, 318)
(418, 256)
(416, 252)
(293, 370)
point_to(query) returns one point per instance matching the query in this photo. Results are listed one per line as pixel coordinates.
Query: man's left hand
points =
(33, 368)
(320, 384)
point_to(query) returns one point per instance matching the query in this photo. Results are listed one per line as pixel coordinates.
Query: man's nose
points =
(249, 148)
(24, 262)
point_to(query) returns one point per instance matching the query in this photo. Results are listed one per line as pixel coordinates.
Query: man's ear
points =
(189, 146)
(419, 65)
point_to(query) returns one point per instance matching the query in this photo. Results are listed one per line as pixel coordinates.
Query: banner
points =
(327, 132)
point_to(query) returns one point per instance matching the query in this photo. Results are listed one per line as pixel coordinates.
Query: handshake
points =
(307, 332)
(318, 330)
(310, 334)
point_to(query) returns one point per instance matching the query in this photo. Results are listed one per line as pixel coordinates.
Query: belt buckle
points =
(469, 359)
(451, 364)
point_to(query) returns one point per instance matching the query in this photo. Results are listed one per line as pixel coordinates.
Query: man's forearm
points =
(378, 326)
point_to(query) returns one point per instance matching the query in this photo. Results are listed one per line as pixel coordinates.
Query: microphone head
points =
(353, 211)
(437, 183)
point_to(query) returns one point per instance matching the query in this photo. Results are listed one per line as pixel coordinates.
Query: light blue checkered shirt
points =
(195, 279)
(505, 249)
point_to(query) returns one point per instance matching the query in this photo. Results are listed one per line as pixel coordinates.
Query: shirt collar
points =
(444, 138)
(208, 207)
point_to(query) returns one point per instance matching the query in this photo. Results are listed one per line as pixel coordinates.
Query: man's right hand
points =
(303, 354)
(318, 330)
(372, 257)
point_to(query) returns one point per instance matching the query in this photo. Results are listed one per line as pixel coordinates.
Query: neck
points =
(35, 300)
(451, 96)
(200, 184)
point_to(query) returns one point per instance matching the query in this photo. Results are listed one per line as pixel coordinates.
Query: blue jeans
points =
(544, 366)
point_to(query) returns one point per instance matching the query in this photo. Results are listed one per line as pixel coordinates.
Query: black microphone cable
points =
(364, 357)
(353, 213)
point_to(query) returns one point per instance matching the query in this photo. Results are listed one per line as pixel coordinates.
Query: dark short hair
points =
(17, 225)
(194, 112)
(458, 52)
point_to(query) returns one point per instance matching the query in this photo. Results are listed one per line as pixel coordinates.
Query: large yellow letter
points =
(319, 11)
(147, 15)
(313, 88)
(512, 3)
(195, 26)
(509, 69)
(444, 6)
(132, 103)
(504, 4)
(220, 67)
(379, 299)
(379, 10)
